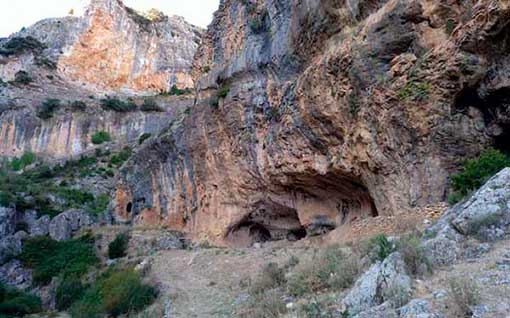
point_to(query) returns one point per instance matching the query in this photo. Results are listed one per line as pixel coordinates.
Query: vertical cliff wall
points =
(313, 113)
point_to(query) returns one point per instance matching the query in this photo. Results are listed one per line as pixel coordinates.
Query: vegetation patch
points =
(78, 105)
(377, 248)
(475, 172)
(114, 293)
(49, 258)
(47, 108)
(118, 159)
(116, 105)
(16, 303)
(464, 295)
(18, 45)
(414, 91)
(175, 91)
(118, 247)
(150, 105)
(101, 137)
(25, 160)
(143, 138)
(332, 269)
(413, 254)
(22, 78)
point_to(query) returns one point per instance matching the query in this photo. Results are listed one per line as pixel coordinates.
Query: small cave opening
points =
(495, 108)
(269, 221)
(129, 207)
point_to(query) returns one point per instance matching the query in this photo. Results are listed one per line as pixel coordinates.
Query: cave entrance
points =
(495, 108)
(269, 221)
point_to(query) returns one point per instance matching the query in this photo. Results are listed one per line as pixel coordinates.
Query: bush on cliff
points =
(118, 247)
(47, 108)
(114, 104)
(100, 137)
(475, 172)
(22, 78)
(25, 160)
(17, 45)
(150, 105)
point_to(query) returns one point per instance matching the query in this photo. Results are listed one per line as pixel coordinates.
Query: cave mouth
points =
(269, 221)
(495, 108)
(311, 206)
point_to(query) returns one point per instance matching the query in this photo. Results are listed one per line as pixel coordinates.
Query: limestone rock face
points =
(122, 49)
(113, 48)
(311, 114)
(65, 224)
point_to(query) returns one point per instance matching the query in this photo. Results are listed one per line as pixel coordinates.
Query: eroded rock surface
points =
(311, 114)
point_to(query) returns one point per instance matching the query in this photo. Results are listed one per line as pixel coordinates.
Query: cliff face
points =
(111, 51)
(114, 48)
(121, 49)
(310, 114)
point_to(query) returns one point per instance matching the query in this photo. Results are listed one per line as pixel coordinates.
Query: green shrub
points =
(475, 172)
(150, 105)
(115, 293)
(353, 104)
(46, 62)
(47, 108)
(175, 91)
(68, 292)
(114, 104)
(118, 247)
(413, 255)
(119, 159)
(223, 91)
(414, 91)
(379, 247)
(99, 205)
(143, 138)
(23, 78)
(100, 137)
(450, 26)
(15, 303)
(17, 45)
(26, 159)
(49, 258)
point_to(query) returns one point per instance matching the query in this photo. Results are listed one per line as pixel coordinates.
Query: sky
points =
(15, 14)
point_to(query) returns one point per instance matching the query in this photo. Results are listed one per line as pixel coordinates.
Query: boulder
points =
(63, 226)
(487, 213)
(37, 226)
(384, 281)
(418, 308)
(14, 274)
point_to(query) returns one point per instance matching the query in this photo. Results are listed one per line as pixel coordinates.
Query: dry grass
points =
(464, 295)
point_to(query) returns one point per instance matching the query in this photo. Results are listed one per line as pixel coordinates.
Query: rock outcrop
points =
(113, 51)
(311, 114)
(111, 48)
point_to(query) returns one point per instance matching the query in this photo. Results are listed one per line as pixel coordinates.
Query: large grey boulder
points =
(37, 226)
(385, 281)
(487, 212)
(484, 216)
(64, 225)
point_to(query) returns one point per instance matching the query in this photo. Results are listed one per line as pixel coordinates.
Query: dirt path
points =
(208, 283)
